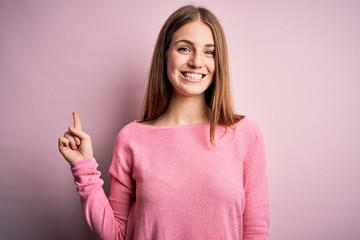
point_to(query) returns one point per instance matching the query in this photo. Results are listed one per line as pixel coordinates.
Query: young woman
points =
(192, 168)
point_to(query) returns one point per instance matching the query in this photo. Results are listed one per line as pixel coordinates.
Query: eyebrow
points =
(191, 43)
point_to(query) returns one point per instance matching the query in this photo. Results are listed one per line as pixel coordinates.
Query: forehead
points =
(196, 32)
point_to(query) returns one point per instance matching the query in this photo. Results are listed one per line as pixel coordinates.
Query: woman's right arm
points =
(107, 219)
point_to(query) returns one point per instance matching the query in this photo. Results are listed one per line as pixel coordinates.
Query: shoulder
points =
(128, 128)
(135, 131)
(250, 140)
(247, 133)
(128, 136)
(128, 132)
(248, 126)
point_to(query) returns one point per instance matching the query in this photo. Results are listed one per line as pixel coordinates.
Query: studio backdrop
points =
(295, 69)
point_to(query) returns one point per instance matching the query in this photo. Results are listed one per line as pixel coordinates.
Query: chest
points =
(189, 172)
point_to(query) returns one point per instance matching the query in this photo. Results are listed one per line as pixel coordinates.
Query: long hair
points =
(217, 96)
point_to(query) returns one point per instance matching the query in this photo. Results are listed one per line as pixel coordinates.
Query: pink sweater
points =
(169, 183)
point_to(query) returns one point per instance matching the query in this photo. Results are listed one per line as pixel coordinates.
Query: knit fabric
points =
(170, 183)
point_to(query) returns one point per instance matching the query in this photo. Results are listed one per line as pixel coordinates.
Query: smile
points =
(193, 76)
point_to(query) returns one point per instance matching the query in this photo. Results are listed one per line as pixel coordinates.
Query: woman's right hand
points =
(75, 145)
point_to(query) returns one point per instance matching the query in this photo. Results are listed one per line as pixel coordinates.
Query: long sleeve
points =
(107, 219)
(256, 214)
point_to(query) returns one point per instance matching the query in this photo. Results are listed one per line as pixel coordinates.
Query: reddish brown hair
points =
(217, 96)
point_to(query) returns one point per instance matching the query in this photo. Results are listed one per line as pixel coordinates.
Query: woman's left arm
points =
(256, 215)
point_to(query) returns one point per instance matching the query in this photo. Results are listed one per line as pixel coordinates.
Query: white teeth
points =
(193, 75)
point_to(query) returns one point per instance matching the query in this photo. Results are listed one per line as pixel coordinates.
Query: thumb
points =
(79, 133)
(84, 142)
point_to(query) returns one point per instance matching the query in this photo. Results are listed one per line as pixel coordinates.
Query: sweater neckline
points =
(194, 125)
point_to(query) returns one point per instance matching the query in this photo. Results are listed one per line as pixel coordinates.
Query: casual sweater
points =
(170, 183)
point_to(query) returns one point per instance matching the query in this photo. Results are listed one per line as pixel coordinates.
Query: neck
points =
(186, 110)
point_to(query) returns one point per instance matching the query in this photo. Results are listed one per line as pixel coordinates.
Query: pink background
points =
(295, 69)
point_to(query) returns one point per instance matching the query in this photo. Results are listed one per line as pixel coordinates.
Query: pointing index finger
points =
(77, 122)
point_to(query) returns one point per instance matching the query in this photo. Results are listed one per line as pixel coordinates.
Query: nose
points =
(196, 60)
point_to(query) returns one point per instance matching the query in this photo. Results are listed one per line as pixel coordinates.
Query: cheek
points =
(211, 66)
(170, 70)
(170, 63)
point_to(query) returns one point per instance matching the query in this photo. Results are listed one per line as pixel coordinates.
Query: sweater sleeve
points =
(256, 214)
(106, 218)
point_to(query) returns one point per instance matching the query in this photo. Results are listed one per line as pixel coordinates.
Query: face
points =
(191, 59)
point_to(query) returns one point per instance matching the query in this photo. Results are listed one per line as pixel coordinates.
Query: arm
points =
(256, 214)
(105, 220)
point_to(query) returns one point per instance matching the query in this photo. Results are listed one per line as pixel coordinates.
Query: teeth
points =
(193, 75)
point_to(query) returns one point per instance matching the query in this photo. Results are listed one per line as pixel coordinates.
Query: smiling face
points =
(191, 60)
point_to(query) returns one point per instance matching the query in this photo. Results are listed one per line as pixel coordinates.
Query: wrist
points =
(82, 162)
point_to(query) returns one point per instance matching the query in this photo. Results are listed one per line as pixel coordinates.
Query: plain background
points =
(295, 70)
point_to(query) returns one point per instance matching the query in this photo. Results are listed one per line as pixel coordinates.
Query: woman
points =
(192, 168)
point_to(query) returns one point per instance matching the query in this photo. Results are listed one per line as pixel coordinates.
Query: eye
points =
(184, 49)
(210, 52)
